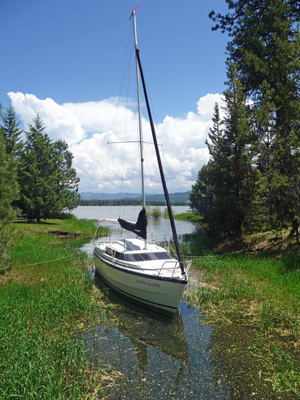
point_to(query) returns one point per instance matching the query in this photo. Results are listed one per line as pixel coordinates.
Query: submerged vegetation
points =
(45, 299)
(260, 292)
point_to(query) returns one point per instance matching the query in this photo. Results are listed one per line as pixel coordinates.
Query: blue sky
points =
(60, 54)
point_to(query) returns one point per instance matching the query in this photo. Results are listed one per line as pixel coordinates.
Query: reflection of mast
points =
(141, 353)
(178, 380)
(147, 331)
(168, 338)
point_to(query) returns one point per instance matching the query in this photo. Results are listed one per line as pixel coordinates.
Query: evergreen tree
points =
(265, 49)
(201, 198)
(238, 176)
(48, 181)
(8, 193)
(228, 178)
(12, 133)
(67, 184)
(36, 173)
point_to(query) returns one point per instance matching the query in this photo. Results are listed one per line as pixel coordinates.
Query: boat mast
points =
(139, 110)
(162, 175)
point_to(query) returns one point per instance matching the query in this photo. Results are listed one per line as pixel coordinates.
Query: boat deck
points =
(133, 255)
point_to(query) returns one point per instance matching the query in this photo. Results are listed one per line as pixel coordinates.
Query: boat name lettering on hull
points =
(153, 284)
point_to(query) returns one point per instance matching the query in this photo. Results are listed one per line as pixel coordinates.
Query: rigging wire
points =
(125, 76)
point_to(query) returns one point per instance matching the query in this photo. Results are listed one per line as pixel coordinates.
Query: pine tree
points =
(47, 180)
(67, 184)
(8, 193)
(229, 173)
(36, 173)
(12, 133)
(239, 138)
(201, 199)
(265, 49)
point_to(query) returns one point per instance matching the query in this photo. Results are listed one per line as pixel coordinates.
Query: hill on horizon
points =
(179, 197)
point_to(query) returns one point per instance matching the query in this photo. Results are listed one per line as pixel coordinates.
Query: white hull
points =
(156, 292)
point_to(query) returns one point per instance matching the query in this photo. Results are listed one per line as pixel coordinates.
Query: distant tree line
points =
(37, 179)
(124, 202)
(251, 182)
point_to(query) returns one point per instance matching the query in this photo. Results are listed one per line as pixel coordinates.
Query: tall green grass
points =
(44, 299)
(263, 293)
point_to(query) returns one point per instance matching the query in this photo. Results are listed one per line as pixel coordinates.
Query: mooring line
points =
(48, 261)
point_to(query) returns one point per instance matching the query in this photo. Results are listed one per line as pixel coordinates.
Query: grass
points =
(44, 299)
(264, 294)
(188, 217)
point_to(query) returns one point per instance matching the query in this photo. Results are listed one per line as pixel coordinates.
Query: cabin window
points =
(134, 257)
(119, 256)
(163, 255)
(108, 251)
(147, 256)
(138, 257)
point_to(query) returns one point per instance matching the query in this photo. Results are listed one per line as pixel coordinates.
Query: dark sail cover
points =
(139, 228)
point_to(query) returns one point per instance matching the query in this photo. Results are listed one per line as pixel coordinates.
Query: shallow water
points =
(145, 356)
(156, 357)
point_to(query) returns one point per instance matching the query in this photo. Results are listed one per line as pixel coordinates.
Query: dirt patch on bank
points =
(13, 277)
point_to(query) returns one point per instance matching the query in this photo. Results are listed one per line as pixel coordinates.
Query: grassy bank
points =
(44, 299)
(261, 293)
(188, 217)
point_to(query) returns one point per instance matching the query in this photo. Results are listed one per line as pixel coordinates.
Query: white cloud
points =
(88, 127)
(59, 121)
(206, 104)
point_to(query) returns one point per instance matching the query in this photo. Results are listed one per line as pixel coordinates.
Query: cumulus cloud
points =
(206, 104)
(60, 122)
(89, 127)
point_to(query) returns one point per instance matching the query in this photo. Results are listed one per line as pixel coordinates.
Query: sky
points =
(69, 61)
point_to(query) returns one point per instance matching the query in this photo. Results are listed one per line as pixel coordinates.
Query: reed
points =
(263, 293)
(44, 299)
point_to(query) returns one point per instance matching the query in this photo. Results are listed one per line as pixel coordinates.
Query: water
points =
(154, 357)
(157, 227)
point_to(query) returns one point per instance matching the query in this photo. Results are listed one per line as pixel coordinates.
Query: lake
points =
(157, 227)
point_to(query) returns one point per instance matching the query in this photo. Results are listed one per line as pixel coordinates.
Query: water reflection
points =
(156, 357)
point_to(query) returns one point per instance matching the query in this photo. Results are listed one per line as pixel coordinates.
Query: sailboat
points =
(141, 271)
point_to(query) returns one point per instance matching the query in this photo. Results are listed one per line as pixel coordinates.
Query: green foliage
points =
(201, 196)
(67, 180)
(252, 179)
(8, 193)
(47, 180)
(189, 216)
(154, 212)
(12, 133)
(225, 186)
